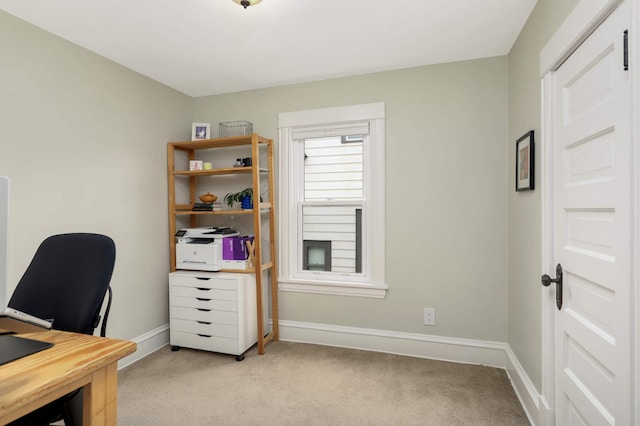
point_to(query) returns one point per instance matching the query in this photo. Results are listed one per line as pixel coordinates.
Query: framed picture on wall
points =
(200, 131)
(524, 162)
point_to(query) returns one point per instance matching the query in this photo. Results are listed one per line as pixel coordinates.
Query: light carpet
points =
(303, 384)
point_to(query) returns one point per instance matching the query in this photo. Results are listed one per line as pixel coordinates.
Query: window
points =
(317, 255)
(331, 201)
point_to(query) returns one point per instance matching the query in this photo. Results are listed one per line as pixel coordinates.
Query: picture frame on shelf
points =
(525, 165)
(195, 165)
(200, 131)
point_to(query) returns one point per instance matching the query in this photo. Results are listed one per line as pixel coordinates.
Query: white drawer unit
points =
(213, 311)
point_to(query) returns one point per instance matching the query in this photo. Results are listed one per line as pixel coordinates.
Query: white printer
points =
(200, 249)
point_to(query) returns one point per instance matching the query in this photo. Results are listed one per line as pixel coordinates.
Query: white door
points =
(592, 230)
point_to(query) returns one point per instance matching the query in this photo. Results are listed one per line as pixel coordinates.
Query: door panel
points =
(592, 229)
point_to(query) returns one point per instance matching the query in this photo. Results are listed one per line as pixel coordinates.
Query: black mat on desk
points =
(14, 347)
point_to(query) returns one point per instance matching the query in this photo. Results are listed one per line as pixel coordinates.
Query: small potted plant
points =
(244, 197)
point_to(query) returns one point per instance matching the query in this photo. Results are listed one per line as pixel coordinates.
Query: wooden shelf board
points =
(214, 172)
(218, 143)
(206, 212)
(185, 209)
(218, 172)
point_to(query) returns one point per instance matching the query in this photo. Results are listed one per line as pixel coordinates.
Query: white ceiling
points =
(206, 47)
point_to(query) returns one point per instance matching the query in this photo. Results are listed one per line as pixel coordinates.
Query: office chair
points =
(67, 281)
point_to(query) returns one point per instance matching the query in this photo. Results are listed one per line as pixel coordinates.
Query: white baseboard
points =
(467, 351)
(147, 344)
(417, 345)
(532, 402)
(493, 354)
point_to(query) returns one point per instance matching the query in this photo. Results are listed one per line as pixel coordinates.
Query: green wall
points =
(525, 231)
(446, 209)
(83, 141)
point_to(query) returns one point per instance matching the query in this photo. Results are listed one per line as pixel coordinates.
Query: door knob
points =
(547, 280)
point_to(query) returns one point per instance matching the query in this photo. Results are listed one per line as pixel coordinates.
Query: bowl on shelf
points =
(208, 198)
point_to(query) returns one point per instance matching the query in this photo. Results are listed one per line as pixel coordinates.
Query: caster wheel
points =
(239, 358)
(175, 348)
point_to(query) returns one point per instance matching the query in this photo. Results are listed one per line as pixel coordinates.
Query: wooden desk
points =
(75, 361)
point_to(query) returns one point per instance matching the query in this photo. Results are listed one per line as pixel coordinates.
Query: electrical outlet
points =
(429, 316)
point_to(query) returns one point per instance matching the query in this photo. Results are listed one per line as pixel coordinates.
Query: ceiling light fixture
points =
(247, 3)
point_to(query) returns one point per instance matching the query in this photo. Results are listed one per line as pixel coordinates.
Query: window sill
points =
(336, 288)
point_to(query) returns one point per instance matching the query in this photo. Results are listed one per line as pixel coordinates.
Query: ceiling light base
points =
(247, 3)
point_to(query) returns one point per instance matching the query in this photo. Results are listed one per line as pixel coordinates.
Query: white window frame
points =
(371, 282)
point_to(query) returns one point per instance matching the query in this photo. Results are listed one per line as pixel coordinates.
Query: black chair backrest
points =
(67, 281)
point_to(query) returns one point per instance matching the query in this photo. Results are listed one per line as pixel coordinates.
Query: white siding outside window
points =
(326, 193)
(333, 173)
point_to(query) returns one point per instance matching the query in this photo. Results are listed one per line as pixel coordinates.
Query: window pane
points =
(337, 224)
(317, 255)
(333, 169)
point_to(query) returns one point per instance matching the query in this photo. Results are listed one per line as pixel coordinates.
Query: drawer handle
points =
(204, 322)
(204, 310)
(203, 289)
(204, 335)
(202, 299)
(203, 278)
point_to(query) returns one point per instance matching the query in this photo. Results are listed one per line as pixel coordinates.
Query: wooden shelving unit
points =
(255, 142)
